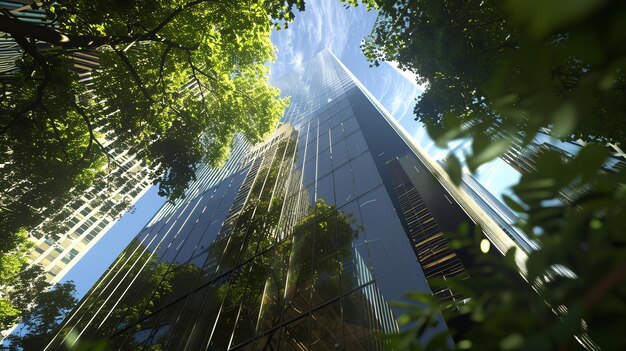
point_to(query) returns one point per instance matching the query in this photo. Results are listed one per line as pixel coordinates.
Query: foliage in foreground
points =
(41, 320)
(176, 81)
(498, 72)
(27, 298)
(578, 275)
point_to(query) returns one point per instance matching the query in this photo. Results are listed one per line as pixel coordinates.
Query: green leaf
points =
(514, 205)
(589, 160)
(544, 17)
(454, 169)
(488, 153)
(564, 121)
(512, 342)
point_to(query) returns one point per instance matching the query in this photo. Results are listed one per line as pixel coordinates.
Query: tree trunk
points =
(52, 36)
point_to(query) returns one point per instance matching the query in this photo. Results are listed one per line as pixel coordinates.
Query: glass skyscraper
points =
(297, 243)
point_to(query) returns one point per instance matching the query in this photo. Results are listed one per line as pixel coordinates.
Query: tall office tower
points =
(301, 245)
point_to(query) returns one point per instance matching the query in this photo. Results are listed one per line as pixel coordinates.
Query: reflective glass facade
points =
(298, 243)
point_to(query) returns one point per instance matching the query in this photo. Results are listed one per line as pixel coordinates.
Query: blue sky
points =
(324, 24)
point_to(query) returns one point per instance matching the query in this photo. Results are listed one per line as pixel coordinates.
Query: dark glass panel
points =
(311, 149)
(272, 307)
(300, 275)
(344, 185)
(360, 325)
(299, 159)
(365, 174)
(324, 139)
(356, 267)
(154, 331)
(197, 318)
(336, 133)
(268, 342)
(309, 194)
(233, 293)
(207, 238)
(356, 144)
(339, 153)
(327, 328)
(326, 189)
(327, 282)
(213, 253)
(251, 301)
(387, 242)
(295, 335)
(140, 337)
(179, 281)
(230, 256)
(302, 138)
(324, 165)
(324, 127)
(350, 125)
(327, 260)
(309, 171)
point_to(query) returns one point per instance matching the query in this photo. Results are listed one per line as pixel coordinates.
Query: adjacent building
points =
(62, 239)
(298, 243)
(523, 158)
(88, 217)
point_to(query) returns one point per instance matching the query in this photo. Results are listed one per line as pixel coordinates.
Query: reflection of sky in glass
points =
(496, 176)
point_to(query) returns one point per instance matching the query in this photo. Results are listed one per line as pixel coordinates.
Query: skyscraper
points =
(299, 243)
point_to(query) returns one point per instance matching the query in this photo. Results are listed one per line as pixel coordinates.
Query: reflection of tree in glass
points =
(148, 307)
(258, 282)
(249, 246)
(264, 265)
(309, 269)
(45, 310)
(153, 285)
(26, 298)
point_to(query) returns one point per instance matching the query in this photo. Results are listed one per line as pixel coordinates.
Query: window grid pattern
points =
(295, 246)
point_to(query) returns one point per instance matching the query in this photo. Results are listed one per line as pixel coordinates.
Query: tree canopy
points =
(523, 66)
(40, 321)
(26, 297)
(498, 72)
(176, 80)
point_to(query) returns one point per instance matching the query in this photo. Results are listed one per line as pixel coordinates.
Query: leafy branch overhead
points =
(499, 72)
(176, 81)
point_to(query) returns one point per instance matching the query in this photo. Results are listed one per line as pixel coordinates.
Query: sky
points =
(326, 24)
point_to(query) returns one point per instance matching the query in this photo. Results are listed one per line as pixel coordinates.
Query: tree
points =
(176, 81)
(519, 65)
(27, 298)
(14, 295)
(38, 323)
(498, 72)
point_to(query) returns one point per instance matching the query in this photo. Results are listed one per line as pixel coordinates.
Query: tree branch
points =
(162, 66)
(57, 136)
(171, 43)
(135, 75)
(193, 72)
(92, 136)
(18, 28)
(40, 61)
